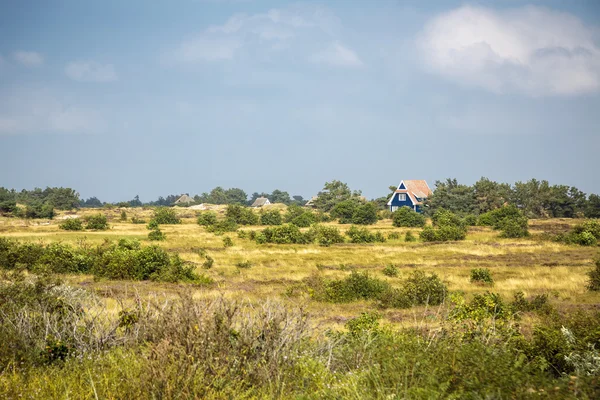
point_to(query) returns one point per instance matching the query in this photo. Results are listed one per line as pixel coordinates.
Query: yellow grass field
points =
(531, 265)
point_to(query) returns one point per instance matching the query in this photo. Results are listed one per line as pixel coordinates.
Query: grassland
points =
(531, 265)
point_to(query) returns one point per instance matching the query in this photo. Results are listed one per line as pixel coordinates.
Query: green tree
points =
(365, 214)
(452, 196)
(334, 192)
(490, 195)
(592, 209)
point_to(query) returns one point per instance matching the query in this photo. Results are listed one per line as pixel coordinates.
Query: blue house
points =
(410, 194)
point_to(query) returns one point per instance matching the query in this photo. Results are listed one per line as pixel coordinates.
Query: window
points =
(401, 197)
(394, 208)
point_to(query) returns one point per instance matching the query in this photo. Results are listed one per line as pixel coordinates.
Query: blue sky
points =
(118, 98)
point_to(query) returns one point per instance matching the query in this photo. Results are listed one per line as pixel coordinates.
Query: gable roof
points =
(184, 199)
(261, 201)
(414, 189)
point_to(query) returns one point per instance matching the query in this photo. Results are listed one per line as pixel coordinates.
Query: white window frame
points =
(394, 208)
(401, 196)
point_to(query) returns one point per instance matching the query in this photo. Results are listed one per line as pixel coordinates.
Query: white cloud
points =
(530, 50)
(41, 111)
(336, 55)
(90, 71)
(29, 58)
(264, 36)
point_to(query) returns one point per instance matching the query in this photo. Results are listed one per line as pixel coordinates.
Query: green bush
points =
(272, 217)
(129, 244)
(244, 264)
(208, 262)
(39, 210)
(305, 219)
(207, 218)
(222, 226)
(241, 215)
(137, 221)
(418, 289)
(481, 275)
(393, 236)
(443, 217)
(470, 220)
(390, 270)
(365, 214)
(227, 242)
(324, 235)
(123, 215)
(508, 219)
(97, 222)
(344, 211)
(166, 216)
(72, 224)
(284, 234)
(443, 234)
(594, 278)
(156, 235)
(409, 237)
(293, 211)
(590, 226)
(362, 235)
(63, 259)
(356, 286)
(406, 217)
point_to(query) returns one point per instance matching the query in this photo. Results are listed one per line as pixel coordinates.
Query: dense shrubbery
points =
(124, 260)
(447, 226)
(207, 218)
(585, 234)
(72, 224)
(97, 222)
(594, 278)
(481, 275)
(166, 216)
(324, 235)
(271, 217)
(356, 286)
(353, 211)
(241, 215)
(405, 217)
(283, 234)
(363, 235)
(39, 210)
(508, 219)
(418, 289)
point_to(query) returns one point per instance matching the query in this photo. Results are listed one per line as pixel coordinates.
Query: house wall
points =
(398, 203)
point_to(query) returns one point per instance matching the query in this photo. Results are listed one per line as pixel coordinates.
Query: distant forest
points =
(535, 198)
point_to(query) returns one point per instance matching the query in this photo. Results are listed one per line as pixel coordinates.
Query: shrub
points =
(166, 216)
(244, 264)
(481, 275)
(443, 234)
(207, 218)
(537, 303)
(272, 217)
(241, 215)
(39, 210)
(470, 220)
(508, 219)
(344, 210)
(292, 212)
(129, 244)
(590, 226)
(227, 242)
(443, 217)
(390, 270)
(208, 262)
(61, 258)
(305, 219)
(284, 234)
(418, 289)
(72, 224)
(393, 236)
(406, 217)
(97, 222)
(152, 225)
(356, 286)
(222, 226)
(137, 221)
(123, 215)
(594, 278)
(409, 237)
(365, 214)
(366, 322)
(362, 235)
(324, 235)
(156, 234)
(9, 253)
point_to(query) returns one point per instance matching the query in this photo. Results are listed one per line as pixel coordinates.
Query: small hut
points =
(261, 201)
(184, 200)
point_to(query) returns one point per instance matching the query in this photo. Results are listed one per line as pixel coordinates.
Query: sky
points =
(122, 98)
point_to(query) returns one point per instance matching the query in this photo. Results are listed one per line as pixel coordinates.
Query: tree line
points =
(535, 198)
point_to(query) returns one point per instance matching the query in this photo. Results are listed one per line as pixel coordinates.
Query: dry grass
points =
(527, 265)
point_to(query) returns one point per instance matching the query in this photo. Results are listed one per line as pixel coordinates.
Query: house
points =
(411, 194)
(184, 199)
(261, 201)
(311, 202)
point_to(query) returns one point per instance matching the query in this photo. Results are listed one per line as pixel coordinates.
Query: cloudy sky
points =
(117, 98)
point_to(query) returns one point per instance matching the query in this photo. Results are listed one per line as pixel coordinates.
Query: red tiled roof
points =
(416, 188)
